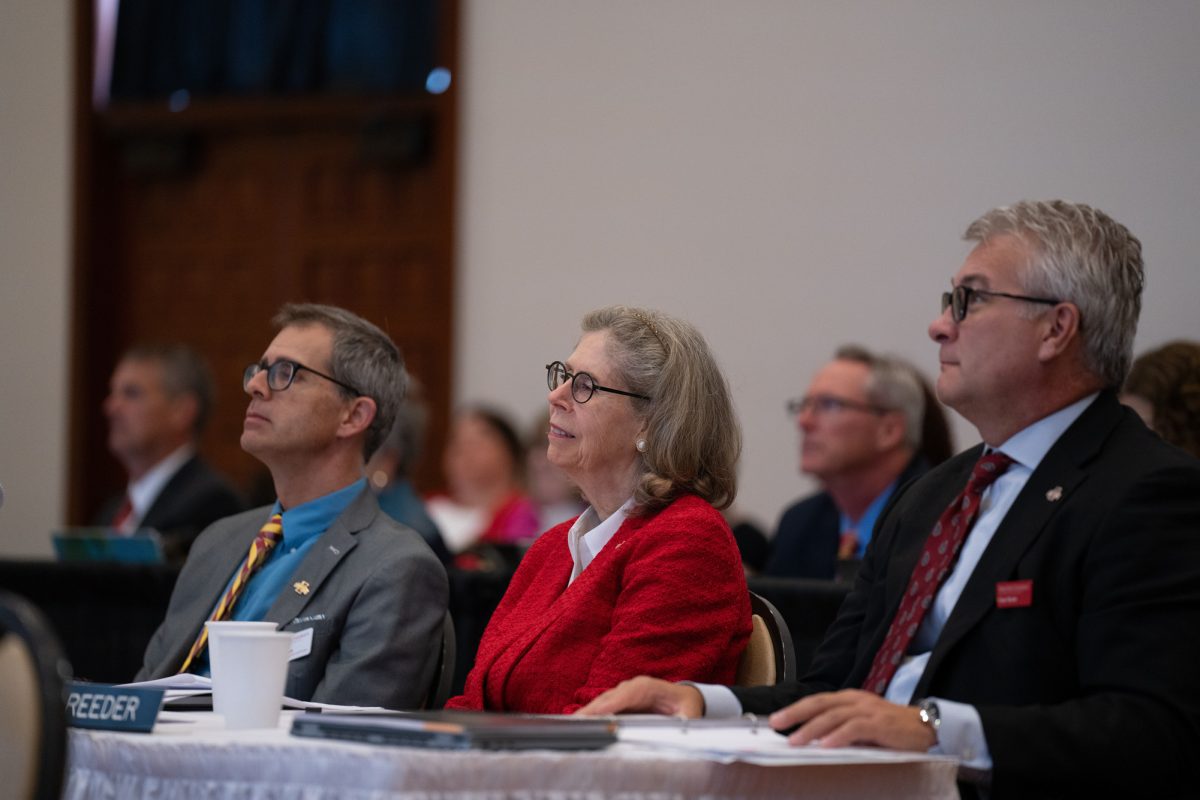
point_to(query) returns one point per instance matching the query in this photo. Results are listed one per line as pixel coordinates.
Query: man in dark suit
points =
(1056, 653)
(159, 400)
(363, 594)
(860, 428)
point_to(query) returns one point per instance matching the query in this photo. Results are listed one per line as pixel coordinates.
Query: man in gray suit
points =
(364, 595)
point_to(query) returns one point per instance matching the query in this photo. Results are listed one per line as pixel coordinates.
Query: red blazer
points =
(665, 597)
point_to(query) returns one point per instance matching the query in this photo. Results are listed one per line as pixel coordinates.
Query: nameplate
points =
(112, 708)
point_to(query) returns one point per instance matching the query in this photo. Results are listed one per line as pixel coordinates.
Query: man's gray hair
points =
(363, 357)
(184, 372)
(892, 384)
(1081, 256)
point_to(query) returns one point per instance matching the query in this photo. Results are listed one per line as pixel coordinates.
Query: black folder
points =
(461, 730)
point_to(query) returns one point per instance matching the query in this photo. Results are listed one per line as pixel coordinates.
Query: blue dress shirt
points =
(302, 526)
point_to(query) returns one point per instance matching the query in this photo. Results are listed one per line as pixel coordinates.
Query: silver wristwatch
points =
(930, 715)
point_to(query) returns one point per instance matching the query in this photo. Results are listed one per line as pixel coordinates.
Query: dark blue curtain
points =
(272, 47)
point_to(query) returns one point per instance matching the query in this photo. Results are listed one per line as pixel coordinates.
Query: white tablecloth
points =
(201, 761)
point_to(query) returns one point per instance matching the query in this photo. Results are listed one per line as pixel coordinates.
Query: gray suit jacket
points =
(375, 603)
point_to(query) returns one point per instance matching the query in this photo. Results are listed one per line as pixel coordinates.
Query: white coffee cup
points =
(249, 670)
(215, 631)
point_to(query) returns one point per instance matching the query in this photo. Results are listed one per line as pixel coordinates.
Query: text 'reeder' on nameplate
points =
(112, 708)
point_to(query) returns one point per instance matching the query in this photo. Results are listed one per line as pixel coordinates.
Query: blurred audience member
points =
(486, 502)
(389, 469)
(159, 399)
(860, 424)
(1163, 387)
(556, 498)
(648, 578)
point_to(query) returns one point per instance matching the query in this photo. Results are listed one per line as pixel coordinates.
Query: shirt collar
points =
(314, 517)
(589, 534)
(144, 491)
(1029, 446)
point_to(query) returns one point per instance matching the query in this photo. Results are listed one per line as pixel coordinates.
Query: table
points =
(199, 759)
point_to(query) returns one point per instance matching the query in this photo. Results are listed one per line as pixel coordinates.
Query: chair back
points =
(33, 733)
(443, 673)
(769, 657)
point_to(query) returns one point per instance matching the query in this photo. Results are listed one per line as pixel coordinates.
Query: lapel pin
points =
(301, 588)
(1055, 494)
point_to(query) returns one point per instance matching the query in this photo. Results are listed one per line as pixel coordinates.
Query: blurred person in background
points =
(485, 505)
(389, 469)
(648, 578)
(1163, 387)
(863, 425)
(160, 397)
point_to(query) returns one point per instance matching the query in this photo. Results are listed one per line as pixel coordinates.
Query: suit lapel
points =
(1056, 478)
(161, 507)
(326, 553)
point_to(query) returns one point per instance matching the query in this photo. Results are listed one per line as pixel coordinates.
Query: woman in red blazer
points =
(648, 580)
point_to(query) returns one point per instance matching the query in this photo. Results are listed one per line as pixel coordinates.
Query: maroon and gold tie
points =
(941, 550)
(260, 548)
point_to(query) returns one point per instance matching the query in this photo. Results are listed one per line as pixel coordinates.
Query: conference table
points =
(191, 755)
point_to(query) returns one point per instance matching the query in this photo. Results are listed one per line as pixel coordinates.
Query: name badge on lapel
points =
(1014, 594)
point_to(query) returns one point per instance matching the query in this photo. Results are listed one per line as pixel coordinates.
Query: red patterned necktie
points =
(941, 550)
(260, 548)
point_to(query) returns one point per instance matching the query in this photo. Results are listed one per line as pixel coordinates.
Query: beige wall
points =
(35, 70)
(788, 175)
(793, 175)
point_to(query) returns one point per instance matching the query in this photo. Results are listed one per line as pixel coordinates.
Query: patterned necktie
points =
(941, 550)
(260, 548)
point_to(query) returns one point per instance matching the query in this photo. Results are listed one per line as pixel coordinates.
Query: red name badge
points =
(1014, 594)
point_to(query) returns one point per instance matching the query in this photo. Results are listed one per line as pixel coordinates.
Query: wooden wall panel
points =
(198, 226)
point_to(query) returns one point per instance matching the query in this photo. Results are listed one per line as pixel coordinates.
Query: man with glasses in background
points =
(364, 596)
(860, 430)
(1031, 605)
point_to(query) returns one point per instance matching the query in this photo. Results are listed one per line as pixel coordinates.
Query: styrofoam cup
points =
(249, 670)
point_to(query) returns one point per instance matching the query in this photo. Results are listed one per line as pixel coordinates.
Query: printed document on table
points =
(186, 684)
(759, 745)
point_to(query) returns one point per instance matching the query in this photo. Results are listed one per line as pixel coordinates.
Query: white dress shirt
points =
(961, 731)
(145, 490)
(588, 536)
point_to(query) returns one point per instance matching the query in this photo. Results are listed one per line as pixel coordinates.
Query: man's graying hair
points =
(891, 384)
(1081, 256)
(363, 357)
(183, 372)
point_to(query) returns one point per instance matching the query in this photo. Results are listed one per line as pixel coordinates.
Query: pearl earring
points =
(641, 445)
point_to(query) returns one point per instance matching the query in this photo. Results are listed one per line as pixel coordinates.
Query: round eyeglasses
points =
(281, 374)
(583, 385)
(961, 298)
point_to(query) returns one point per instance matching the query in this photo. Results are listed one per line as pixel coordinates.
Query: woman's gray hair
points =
(363, 357)
(1081, 256)
(693, 440)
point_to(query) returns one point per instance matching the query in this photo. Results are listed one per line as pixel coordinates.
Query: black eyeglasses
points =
(583, 386)
(281, 374)
(959, 300)
(829, 404)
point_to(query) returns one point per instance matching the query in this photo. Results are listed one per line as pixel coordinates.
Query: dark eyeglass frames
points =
(958, 300)
(583, 385)
(281, 374)
(829, 404)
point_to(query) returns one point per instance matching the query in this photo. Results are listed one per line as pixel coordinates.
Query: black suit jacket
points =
(1095, 687)
(194, 498)
(806, 542)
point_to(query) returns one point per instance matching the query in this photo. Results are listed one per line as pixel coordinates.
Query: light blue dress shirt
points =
(961, 731)
(302, 526)
(864, 526)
